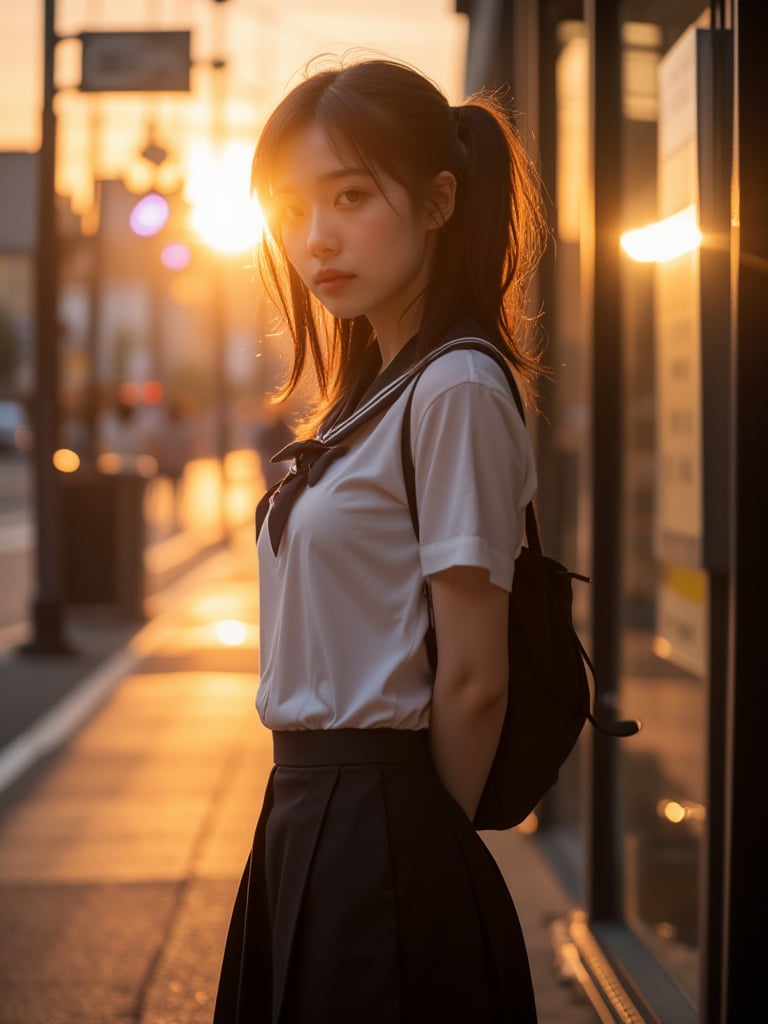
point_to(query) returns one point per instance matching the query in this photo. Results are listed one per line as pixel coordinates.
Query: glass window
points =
(664, 600)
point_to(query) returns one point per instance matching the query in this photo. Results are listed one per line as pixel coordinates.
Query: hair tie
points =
(458, 148)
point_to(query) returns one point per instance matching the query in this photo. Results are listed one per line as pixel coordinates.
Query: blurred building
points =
(18, 242)
(138, 316)
(650, 453)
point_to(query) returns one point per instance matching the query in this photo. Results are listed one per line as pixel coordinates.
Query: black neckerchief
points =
(312, 457)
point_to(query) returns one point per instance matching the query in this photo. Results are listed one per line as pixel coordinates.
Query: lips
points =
(331, 276)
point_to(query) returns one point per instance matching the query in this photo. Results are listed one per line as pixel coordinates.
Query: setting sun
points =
(224, 214)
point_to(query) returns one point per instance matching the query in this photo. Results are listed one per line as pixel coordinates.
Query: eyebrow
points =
(341, 172)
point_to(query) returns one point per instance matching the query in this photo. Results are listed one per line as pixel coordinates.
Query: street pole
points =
(46, 613)
(95, 286)
(221, 388)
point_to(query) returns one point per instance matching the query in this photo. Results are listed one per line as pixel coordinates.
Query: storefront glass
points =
(663, 667)
(664, 600)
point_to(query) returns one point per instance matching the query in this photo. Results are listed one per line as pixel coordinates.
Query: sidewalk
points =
(121, 850)
(43, 698)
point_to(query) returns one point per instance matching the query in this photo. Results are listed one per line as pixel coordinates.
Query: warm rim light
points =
(665, 239)
(224, 213)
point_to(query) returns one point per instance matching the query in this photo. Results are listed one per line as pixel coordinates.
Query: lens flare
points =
(224, 214)
(665, 239)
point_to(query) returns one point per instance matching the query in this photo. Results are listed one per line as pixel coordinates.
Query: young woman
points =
(395, 221)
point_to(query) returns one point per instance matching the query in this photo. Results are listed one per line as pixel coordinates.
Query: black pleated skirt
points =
(368, 898)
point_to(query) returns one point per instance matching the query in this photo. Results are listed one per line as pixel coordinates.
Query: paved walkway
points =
(120, 852)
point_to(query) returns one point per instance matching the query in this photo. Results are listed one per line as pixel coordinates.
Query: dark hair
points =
(397, 122)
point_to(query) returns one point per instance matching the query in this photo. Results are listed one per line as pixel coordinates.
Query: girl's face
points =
(360, 246)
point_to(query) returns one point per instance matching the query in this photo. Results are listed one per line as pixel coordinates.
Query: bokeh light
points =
(231, 633)
(149, 215)
(153, 392)
(175, 256)
(66, 461)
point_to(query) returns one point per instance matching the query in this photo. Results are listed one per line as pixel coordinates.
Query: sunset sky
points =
(266, 44)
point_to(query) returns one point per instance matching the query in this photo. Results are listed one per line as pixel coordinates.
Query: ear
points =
(442, 199)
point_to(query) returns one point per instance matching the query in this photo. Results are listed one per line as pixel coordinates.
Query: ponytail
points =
(493, 242)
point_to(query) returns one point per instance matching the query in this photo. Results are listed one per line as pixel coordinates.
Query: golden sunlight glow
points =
(665, 239)
(231, 633)
(224, 213)
(66, 461)
(202, 491)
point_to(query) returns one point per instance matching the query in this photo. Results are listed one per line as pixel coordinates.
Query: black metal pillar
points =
(546, 131)
(715, 132)
(603, 875)
(745, 871)
(46, 613)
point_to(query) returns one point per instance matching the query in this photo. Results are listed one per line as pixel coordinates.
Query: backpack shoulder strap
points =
(409, 470)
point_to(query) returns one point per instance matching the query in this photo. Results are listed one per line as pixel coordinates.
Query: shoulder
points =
(467, 370)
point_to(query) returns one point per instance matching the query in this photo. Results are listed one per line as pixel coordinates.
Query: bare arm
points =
(470, 692)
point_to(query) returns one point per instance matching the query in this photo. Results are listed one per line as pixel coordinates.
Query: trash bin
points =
(102, 540)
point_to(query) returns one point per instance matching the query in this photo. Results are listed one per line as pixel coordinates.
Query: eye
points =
(351, 197)
(290, 212)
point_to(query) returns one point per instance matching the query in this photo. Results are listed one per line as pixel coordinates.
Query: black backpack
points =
(549, 697)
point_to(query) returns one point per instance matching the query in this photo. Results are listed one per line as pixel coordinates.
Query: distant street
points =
(198, 522)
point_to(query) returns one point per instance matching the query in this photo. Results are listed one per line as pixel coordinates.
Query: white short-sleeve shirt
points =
(343, 614)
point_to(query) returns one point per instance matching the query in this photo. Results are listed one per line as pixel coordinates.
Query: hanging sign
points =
(135, 61)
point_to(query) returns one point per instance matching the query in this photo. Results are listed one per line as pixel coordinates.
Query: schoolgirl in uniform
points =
(394, 222)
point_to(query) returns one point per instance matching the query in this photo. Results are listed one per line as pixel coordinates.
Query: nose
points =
(322, 237)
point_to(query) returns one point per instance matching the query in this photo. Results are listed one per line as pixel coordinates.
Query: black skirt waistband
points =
(314, 748)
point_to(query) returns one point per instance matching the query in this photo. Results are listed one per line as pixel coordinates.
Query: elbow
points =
(491, 696)
(476, 692)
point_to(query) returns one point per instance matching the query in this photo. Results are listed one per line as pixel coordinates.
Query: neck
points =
(392, 336)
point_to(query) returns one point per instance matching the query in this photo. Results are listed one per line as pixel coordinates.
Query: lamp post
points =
(219, 323)
(47, 628)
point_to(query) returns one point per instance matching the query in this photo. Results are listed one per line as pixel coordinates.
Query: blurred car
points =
(15, 433)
